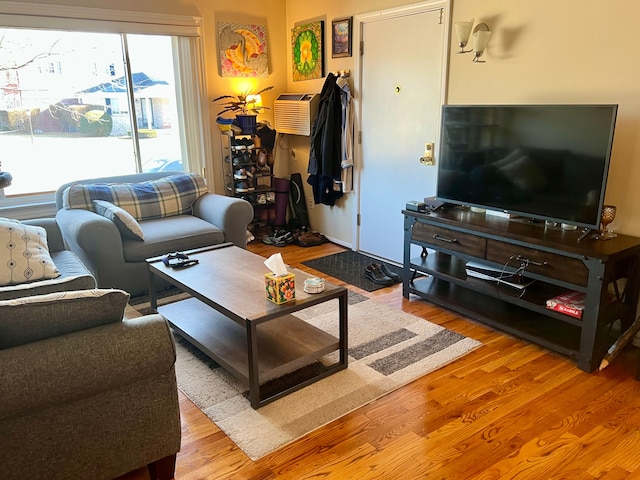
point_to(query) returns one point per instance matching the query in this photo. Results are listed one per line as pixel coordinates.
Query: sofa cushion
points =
(74, 275)
(164, 197)
(24, 253)
(70, 265)
(167, 235)
(30, 319)
(127, 225)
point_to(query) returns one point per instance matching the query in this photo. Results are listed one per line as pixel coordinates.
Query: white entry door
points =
(402, 81)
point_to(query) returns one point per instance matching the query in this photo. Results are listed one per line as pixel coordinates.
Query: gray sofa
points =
(85, 395)
(118, 262)
(74, 275)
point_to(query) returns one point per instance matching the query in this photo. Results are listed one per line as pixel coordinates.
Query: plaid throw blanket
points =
(165, 197)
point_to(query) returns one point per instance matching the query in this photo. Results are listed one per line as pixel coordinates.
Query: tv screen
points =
(547, 162)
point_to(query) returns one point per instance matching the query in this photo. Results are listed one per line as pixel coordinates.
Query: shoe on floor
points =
(279, 239)
(374, 273)
(309, 239)
(282, 236)
(267, 239)
(392, 275)
(276, 242)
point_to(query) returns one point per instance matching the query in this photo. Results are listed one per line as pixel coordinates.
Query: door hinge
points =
(441, 16)
(358, 219)
(361, 48)
(360, 137)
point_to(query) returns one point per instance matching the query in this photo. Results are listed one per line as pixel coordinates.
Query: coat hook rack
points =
(342, 73)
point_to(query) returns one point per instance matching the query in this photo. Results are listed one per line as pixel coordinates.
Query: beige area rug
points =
(387, 349)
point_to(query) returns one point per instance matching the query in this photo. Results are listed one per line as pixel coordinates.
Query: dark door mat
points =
(349, 267)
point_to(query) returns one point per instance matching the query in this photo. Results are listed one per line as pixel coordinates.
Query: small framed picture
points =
(341, 37)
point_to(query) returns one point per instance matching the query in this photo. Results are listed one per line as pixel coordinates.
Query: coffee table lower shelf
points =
(284, 346)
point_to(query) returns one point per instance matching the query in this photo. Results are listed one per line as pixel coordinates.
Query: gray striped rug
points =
(388, 348)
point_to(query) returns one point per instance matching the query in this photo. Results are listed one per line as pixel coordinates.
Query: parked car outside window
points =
(163, 165)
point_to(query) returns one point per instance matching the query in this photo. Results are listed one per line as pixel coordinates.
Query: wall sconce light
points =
(463, 30)
(481, 35)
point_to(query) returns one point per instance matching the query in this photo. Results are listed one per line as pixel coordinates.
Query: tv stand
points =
(607, 272)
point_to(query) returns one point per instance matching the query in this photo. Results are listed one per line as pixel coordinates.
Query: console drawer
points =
(445, 238)
(559, 267)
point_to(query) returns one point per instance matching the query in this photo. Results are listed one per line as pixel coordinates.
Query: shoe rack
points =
(248, 174)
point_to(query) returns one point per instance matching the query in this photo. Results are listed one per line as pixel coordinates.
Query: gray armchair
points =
(85, 394)
(119, 262)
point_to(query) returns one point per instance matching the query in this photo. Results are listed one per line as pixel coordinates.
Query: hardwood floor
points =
(507, 410)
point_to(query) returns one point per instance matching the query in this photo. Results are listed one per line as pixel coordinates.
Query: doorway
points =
(402, 87)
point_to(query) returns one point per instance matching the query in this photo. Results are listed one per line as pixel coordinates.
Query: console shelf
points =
(605, 271)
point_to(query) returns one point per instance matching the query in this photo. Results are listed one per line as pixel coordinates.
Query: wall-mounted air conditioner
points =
(294, 112)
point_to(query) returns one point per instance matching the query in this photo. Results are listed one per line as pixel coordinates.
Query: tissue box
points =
(280, 289)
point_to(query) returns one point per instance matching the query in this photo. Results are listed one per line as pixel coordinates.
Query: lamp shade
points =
(463, 29)
(254, 102)
(480, 41)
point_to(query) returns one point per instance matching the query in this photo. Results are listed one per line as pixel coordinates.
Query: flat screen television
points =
(546, 162)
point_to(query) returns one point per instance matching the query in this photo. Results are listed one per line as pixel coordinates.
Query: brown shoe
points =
(310, 239)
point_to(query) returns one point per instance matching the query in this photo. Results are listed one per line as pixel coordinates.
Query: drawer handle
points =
(444, 239)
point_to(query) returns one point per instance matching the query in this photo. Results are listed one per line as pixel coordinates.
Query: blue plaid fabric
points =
(165, 197)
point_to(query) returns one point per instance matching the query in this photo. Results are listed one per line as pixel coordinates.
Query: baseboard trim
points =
(339, 242)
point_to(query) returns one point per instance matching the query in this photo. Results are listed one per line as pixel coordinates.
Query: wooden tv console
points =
(438, 245)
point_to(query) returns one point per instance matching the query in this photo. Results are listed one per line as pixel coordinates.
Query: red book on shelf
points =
(570, 303)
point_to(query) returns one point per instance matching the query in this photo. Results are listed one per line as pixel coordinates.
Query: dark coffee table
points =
(229, 319)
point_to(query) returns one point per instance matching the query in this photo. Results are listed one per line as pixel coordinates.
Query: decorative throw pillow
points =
(30, 319)
(164, 197)
(24, 253)
(128, 226)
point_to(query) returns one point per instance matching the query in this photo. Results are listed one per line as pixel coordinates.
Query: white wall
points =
(570, 51)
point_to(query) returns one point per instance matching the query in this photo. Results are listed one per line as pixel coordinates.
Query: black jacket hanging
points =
(324, 155)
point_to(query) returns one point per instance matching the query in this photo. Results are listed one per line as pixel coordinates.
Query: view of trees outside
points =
(65, 112)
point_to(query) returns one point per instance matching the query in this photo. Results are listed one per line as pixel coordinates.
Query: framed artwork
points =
(341, 37)
(243, 50)
(306, 48)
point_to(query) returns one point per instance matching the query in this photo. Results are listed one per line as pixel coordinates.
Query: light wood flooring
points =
(508, 410)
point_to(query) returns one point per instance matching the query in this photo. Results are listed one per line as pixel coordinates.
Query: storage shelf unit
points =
(555, 260)
(247, 175)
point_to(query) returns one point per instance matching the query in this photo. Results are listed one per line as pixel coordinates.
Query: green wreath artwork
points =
(306, 43)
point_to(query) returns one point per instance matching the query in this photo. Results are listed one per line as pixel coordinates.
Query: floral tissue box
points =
(280, 288)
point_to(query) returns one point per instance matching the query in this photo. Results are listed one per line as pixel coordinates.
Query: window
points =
(58, 120)
(71, 108)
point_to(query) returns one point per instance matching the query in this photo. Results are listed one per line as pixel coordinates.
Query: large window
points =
(86, 74)
(70, 108)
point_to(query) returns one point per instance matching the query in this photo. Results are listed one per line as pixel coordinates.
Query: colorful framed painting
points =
(243, 50)
(306, 48)
(341, 37)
